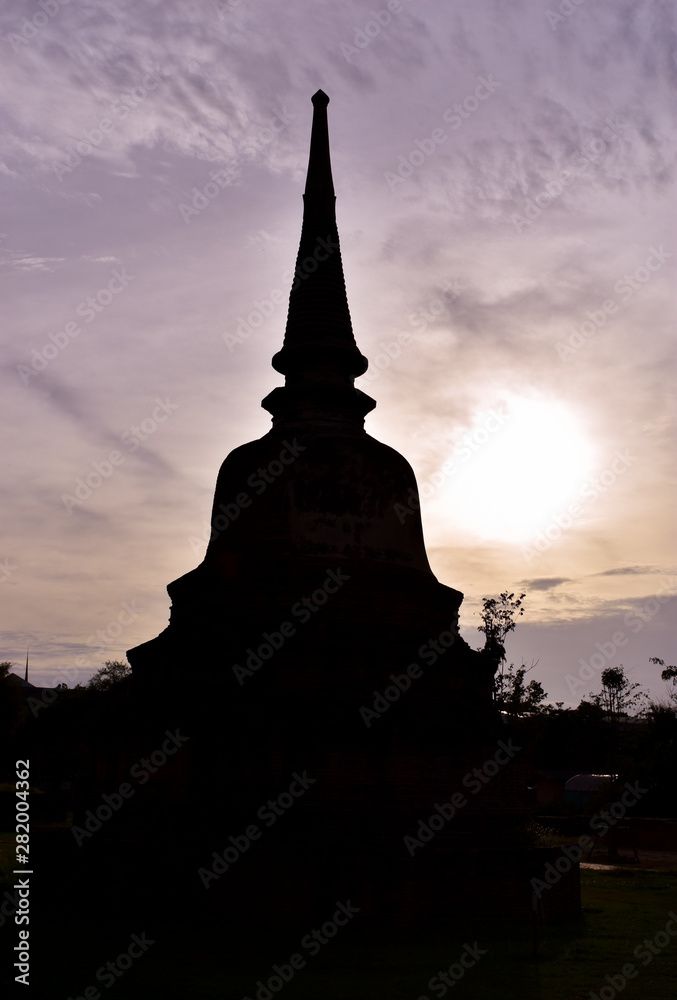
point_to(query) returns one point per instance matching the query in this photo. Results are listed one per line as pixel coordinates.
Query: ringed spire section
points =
(319, 357)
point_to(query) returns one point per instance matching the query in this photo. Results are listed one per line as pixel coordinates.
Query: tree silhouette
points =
(513, 696)
(618, 696)
(669, 673)
(617, 699)
(112, 672)
(498, 618)
(5, 668)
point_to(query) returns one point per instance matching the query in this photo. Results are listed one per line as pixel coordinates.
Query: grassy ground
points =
(192, 959)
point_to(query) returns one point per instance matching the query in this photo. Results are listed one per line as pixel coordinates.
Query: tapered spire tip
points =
(319, 357)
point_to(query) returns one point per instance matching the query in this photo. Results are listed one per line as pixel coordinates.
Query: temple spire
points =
(319, 357)
(319, 183)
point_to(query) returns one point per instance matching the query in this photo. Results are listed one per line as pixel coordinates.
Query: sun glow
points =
(521, 465)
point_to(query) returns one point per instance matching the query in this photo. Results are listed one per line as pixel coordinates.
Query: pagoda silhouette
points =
(313, 663)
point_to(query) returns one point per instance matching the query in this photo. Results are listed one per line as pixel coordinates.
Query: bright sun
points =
(515, 470)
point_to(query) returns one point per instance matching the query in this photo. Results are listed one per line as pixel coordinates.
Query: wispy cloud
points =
(631, 571)
(544, 583)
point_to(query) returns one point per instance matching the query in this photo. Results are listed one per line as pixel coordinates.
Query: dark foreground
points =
(625, 943)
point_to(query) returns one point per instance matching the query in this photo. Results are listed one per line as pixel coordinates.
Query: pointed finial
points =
(319, 183)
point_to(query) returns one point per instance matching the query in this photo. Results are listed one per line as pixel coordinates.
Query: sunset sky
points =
(505, 179)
